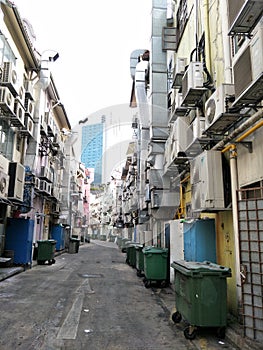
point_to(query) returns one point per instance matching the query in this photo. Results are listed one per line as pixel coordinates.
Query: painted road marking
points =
(69, 328)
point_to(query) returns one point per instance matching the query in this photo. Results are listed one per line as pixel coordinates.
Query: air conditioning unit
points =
(248, 71)
(192, 84)
(45, 187)
(29, 90)
(177, 109)
(29, 127)
(207, 181)
(44, 173)
(174, 151)
(179, 70)
(19, 118)
(36, 183)
(50, 123)
(4, 164)
(164, 199)
(29, 107)
(4, 183)
(16, 181)
(10, 78)
(48, 188)
(244, 15)
(181, 131)
(217, 117)
(43, 125)
(6, 100)
(21, 95)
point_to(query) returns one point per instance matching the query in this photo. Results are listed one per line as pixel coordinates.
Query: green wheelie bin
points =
(124, 243)
(46, 251)
(155, 266)
(200, 296)
(131, 254)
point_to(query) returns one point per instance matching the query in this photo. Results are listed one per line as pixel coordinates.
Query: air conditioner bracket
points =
(248, 145)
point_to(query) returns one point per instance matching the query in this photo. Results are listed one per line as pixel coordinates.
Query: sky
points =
(94, 40)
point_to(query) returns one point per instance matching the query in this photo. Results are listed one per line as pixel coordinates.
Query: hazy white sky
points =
(94, 40)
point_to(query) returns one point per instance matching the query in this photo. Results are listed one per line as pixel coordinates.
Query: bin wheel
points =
(53, 261)
(139, 273)
(176, 317)
(163, 284)
(147, 284)
(221, 332)
(49, 262)
(190, 332)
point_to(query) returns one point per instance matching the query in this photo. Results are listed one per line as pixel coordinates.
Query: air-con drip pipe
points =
(226, 41)
(206, 38)
(196, 28)
(192, 53)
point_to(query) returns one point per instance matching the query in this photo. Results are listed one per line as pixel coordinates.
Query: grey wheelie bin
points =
(73, 245)
(155, 266)
(200, 296)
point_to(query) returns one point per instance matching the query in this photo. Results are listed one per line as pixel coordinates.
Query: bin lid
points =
(139, 246)
(49, 241)
(74, 239)
(132, 244)
(154, 250)
(195, 268)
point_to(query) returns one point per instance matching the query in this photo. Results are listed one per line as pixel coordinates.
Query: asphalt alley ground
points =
(91, 300)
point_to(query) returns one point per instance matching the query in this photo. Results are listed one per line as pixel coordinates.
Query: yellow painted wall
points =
(225, 251)
(216, 44)
(226, 254)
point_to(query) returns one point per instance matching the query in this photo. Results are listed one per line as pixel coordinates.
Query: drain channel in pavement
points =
(89, 275)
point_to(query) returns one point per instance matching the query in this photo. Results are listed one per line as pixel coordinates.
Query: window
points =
(6, 139)
(6, 52)
(181, 19)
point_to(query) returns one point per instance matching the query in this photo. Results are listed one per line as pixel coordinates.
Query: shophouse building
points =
(34, 128)
(197, 170)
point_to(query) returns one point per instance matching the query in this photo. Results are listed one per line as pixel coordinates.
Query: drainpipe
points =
(234, 188)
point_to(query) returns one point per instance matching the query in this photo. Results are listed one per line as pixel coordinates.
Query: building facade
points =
(199, 152)
(35, 133)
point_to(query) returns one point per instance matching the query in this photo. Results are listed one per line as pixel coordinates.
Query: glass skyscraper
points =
(92, 148)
